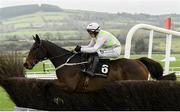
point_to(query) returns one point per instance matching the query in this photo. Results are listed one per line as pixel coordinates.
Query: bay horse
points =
(68, 67)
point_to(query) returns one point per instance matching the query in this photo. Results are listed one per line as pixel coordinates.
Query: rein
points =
(66, 63)
(70, 64)
(59, 56)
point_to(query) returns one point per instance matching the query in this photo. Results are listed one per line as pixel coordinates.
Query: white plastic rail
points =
(168, 33)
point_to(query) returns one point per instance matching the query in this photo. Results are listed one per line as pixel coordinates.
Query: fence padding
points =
(124, 95)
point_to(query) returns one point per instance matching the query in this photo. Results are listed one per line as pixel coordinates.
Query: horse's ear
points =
(34, 37)
(37, 39)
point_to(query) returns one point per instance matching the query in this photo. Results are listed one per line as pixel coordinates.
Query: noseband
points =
(64, 64)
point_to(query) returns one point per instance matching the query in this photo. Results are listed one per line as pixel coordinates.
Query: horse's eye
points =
(35, 47)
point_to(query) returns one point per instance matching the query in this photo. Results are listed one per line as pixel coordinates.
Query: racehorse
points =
(68, 66)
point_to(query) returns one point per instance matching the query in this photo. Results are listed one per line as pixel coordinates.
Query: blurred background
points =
(66, 25)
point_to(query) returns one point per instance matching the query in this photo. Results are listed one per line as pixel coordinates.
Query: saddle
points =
(102, 67)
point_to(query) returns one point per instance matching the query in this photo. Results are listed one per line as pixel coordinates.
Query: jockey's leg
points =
(94, 61)
(110, 53)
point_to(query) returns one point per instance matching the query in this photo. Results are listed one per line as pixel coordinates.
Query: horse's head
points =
(37, 53)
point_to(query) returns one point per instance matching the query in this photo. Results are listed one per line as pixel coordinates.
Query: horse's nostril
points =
(25, 64)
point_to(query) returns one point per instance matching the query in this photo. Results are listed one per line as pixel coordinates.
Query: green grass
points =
(162, 41)
(159, 57)
(37, 18)
(33, 19)
(30, 32)
(39, 66)
(24, 25)
(5, 102)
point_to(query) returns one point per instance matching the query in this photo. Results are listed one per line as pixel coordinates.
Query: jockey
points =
(103, 44)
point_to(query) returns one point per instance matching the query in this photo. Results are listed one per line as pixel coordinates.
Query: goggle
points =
(92, 30)
(88, 30)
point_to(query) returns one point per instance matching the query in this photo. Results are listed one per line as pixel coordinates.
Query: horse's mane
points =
(60, 51)
(50, 44)
(11, 65)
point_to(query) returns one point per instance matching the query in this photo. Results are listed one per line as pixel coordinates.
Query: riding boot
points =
(94, 61)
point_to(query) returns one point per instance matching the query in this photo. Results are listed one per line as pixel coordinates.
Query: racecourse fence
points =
(152, 29)
(42, 76)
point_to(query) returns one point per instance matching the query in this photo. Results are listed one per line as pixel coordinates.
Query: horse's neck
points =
(56, 54)
(59, 56)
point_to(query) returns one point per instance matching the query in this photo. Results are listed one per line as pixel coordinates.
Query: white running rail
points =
(42, 76)
(168, 33)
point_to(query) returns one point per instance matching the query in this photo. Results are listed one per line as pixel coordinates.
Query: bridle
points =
(70, 64)
(45, 53)
(64, 64)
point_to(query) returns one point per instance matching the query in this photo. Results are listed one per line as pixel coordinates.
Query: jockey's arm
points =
(91, 43)
(94, 48)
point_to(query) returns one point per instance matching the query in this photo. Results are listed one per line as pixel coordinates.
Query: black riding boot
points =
(94, 58)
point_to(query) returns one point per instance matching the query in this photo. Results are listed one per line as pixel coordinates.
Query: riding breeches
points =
(113, 52)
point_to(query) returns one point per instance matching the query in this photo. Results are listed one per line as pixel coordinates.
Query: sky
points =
(154, 7)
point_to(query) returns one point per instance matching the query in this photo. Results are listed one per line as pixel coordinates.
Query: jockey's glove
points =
(78, 48)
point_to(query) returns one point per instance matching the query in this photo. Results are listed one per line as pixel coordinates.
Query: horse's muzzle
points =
(27, 66)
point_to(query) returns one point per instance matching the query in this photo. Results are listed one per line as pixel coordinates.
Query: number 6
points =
(104, 69)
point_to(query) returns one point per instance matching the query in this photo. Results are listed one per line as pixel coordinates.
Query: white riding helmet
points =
(93, 27)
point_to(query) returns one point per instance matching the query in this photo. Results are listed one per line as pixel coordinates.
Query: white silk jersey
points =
(105, 44)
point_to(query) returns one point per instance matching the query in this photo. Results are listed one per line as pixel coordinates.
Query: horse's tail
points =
(155, 68)
(171, 76)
